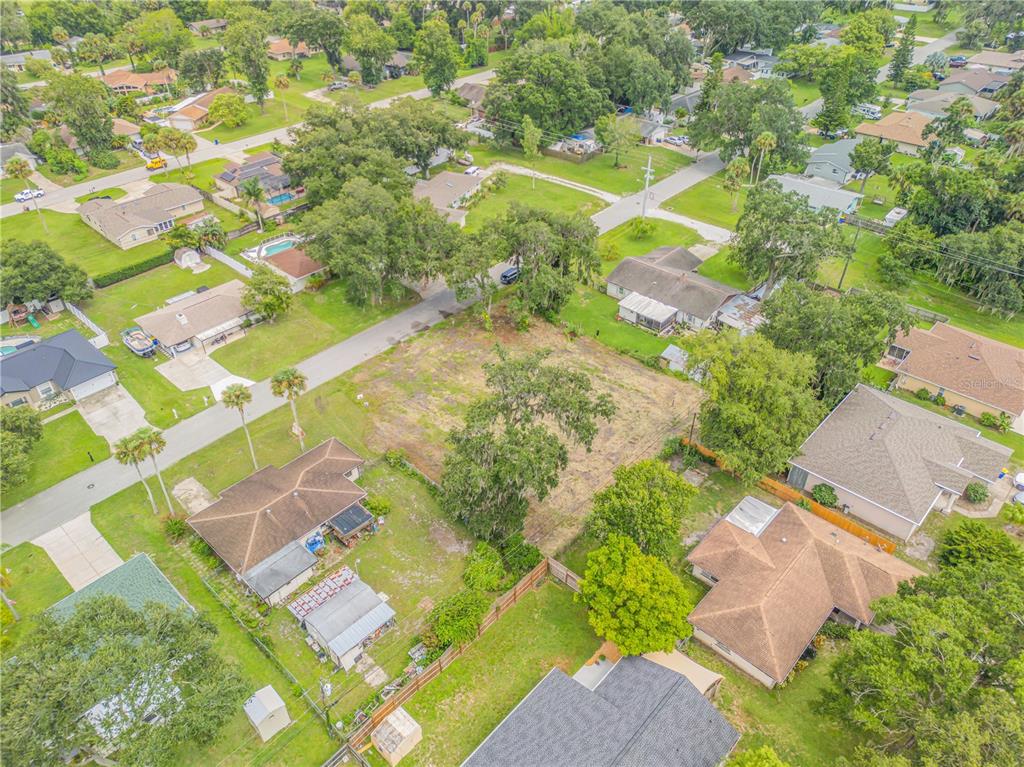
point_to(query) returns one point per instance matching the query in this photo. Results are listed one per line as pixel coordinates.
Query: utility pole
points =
(849, 257)
(648, 175)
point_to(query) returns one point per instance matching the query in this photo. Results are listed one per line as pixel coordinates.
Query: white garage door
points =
(99, 383)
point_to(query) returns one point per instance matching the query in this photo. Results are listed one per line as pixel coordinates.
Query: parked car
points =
(958, 62)
(338, 85)
(677, 140)
(471, 170)
(38, 193)
(938, 77)
(509, 275)
(23, 196)
(184, 346)
(156, 163)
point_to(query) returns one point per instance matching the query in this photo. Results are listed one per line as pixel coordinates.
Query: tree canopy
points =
(437, 55)
(33, 271)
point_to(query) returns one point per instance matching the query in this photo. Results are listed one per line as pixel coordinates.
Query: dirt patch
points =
(920, 547)
(445, 538)
(445, 365)
(192, 495)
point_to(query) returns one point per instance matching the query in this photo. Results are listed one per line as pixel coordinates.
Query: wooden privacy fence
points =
(787, 493)
(547, 566)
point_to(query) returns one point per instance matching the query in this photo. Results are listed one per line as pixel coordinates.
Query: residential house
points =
(207, 27)
(661, 289)
(448, 192)
(138, 582)
(640, 713)
(143, 219)
(64, 363)
(776, 577)
(281, 49)
(936, 104)
(16, 61)
(343, 616)
(126, 131)
(686, 101)
(968, 370)
(265, 167)
(268, 526)
(473, 94)
(759, 63)
(652, 131)
(997, 61)
(891, 462)
(202, 321)
(820, 193)
(908, 130)
(193, 113)
(122, 81)
(832, 162)
(395, 67)
(17, 149)
(295, 266)
(973, 82)
(736, 74)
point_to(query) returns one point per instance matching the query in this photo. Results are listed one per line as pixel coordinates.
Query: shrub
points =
(825, 495)
(641, 228)
(175, 528)
(834, 630)
(104, 158)
(125, 272)
(484, 571)
(455, 620)
(803, 503)
(973, 542)
(519, 556)
(378, 506)
(395, 459)
(923, 394)
(200, 548)
(976, 492)
(1014, 513)
(939, 400)
(988, 419)
(63, 161)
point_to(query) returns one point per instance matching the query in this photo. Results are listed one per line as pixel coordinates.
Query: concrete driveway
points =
(79, 551)
(112, 413)
(194, 370)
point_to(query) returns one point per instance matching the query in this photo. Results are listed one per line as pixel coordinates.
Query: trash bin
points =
(216, 142)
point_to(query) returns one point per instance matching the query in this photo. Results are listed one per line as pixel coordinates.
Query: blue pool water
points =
(277, 199)
(277, 247)
(7, 350)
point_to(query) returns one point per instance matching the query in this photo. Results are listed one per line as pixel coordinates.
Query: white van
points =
(870, 111)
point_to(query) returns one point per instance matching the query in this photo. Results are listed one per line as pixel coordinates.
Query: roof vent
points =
(784, 539)
(974, 357)
(267, 510)
(182, 319)
(295, 493)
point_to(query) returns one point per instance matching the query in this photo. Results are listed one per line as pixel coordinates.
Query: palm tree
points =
(251, 193)
(18, 167)
(295, 69)
(282, 83)
(237, 396)
(153, 443)
(290, 383)
(764, 144)
(735, 173)
(128, 451)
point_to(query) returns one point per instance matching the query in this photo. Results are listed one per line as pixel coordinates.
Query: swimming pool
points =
(277, 247)
(4, 350)
(277, 199)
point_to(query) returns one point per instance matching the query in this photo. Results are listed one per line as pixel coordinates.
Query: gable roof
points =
(115, 219)
(975, 79)
(836, 153)
(937, 103)
(998, 59)
(665, 274)
(15, 149)
(977, 367)
(904, 127)
(818, 193)
(125, 78)
(473, 93)
(272, 508)
(349, 616)
(196, 107)
(195, 315)
(779, 582)
(67, 359)
(265, 166)
(896, 454)
(642, 713)
(138, 581)
(444, 189)
(283, 45)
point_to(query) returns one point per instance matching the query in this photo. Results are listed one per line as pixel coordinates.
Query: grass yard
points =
(62, 451)
(127, 161)
(877, 376)
(490, 204)
(57, 323)
(720, 268)
(546, 628)
(708, 201)
(114, 193)
(202, 173)
(620, 242)
(599, 172)
(76, 241)
(927, 26)
(593, 314)
(35, 583)
(804, 91)
(165, 404)
(11, 186)
(315, 321)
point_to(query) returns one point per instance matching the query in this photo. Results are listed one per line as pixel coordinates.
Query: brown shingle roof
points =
(282, 45)
(272, 508)
(775, 590)
(141, 80)
(295, 263)
(196, 314)
(965, 363)
(904, 127)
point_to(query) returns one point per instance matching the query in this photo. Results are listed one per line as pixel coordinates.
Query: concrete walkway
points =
(79, 551)
(519, 170)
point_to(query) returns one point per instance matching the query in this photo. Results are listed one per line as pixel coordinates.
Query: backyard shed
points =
(350, 522)
(646, 312)
(343, 623)
(397, 736)
(267, 712)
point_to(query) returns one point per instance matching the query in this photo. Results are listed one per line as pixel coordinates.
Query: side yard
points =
(542, 194)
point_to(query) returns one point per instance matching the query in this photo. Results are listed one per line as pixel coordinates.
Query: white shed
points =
(397, 736)
(267, 712)
(187, 258)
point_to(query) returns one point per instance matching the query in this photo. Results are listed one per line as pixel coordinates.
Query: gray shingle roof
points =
(138, 581)
(665, 275)
(640, 714)
(67, 359)
(837, 154)
(896, 454)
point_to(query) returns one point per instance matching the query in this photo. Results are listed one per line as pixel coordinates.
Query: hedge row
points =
(109, 278)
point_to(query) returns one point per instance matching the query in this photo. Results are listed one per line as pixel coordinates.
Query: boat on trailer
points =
(139, 341)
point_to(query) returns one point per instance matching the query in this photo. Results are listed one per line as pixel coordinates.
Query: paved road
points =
(922, 52)
(206, 151)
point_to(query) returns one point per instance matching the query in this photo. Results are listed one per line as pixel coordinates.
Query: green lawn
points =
(804, 91)
(315, 321)
(10, 187)
(545, 629)
(62, 451)
(113, 193)
(620, 242)
(165, 404)
(708, 201)
(928, 27)
(592, 313)
(201, 175)
(35, 583)
(127, 161)
(56, 323)
(599, 172)
(76, 241)
(720, 268)
(876, 376)
(545, 194)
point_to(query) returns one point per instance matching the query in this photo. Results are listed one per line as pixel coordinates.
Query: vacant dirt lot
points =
(416, 393)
